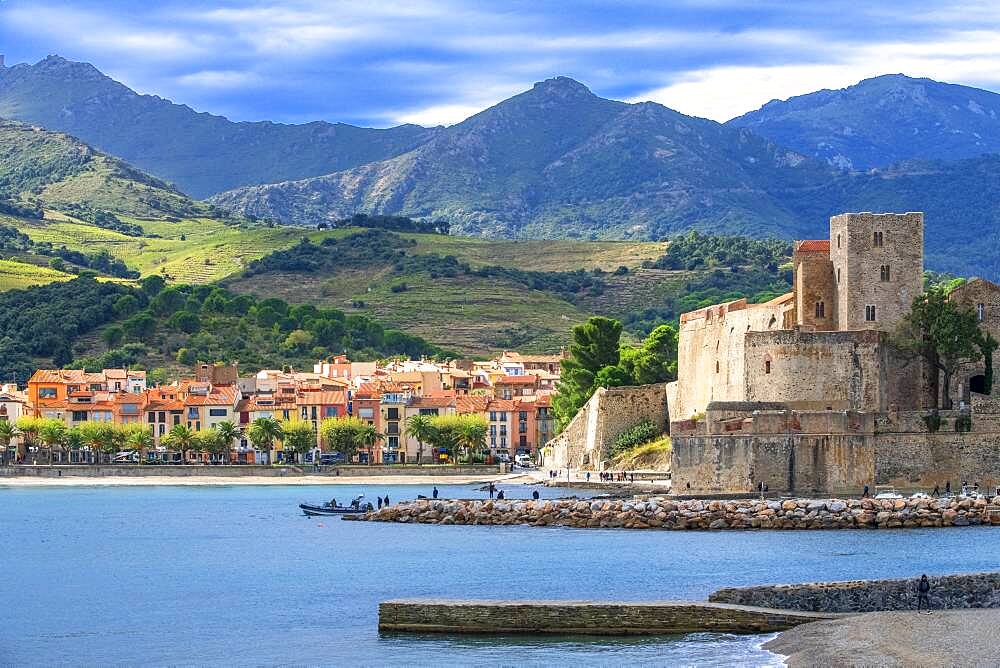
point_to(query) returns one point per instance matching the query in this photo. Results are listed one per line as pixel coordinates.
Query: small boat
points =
(333, 508)
(887, 492)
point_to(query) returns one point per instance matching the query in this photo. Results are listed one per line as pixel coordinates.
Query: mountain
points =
(559, 161)
(44, 169)
(881, 121)
(200, 153)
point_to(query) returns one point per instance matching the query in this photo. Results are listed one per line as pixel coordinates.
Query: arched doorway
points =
(978, 384)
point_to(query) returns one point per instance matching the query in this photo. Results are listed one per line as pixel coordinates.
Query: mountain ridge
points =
(883, 120)
(199, 152)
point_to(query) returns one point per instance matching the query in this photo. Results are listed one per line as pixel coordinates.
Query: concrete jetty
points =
(585, 617)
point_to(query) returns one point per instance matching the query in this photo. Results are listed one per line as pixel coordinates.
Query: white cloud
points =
(440, 114)
(721, 93)
(219, 79)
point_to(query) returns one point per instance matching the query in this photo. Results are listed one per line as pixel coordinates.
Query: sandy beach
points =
(198, 481)
(941, 638)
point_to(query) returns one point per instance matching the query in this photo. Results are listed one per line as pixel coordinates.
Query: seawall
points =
(970, 590)
(240, 471)
(666, 513)
(584, 617)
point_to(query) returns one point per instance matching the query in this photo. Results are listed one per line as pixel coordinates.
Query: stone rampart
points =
(974, 590)
(586, 441)
(583, 617)
(666, 513)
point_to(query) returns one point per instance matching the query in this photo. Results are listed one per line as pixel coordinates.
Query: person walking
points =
(534, 495)
(435, 492)
(947, 487)
(864, 495)
(923, 588)
(588, 476)
(493, 488)
(937, 491)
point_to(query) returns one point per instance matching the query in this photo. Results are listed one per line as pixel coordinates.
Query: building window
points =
(218, 412)
(820, 310)
(79, 416)
(883, 272)
(981, 312)
(767, 366)
(870, 312)
(877, 240)
(46, 393)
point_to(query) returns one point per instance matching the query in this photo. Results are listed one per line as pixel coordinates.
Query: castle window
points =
(716, 366)
(767, 366)
(981, 312)
(838, 241)
(884, 272)
(870, 312)
(877, 240)
(838, 274)
(820, 310)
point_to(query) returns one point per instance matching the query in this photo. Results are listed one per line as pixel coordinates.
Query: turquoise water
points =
(236, 575)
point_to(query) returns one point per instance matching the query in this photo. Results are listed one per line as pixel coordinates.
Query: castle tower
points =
(815, 292)
(878, 267)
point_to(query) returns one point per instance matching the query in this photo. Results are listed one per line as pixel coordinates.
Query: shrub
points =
(963, 423)
(933, 422)
(644, 432)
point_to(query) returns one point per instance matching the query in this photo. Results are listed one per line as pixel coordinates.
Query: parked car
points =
(523, 460)
(126, 457)
(331, 458)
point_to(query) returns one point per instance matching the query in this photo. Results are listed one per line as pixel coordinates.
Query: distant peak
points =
(562, 86)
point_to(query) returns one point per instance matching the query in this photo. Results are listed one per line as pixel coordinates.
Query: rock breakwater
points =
(654, 512)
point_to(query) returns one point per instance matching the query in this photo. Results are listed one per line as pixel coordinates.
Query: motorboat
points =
(887, 493)
(333, 508)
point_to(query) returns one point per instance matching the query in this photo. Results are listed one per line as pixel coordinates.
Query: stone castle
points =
(805, 393)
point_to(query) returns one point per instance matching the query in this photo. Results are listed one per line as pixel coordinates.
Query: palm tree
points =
(74, 440)
(421, 428)
(92, 435)
(8, 432)
(263, 433)
(140, 439)
(369, 437)
(28, 426)
(472, 432)
(227, 433)
(180, 437)
(52, 432)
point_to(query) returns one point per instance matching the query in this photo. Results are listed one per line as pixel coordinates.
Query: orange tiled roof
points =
(527, 379)
(471, 404)
(500, 405)
(321, 398)
(813, 246)
(432, 402)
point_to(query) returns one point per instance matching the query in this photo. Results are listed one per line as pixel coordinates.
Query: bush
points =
(644, 432)
(933, 422)
(963, 423)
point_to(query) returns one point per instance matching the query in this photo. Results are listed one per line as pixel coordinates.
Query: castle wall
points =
(817, 370)
(710, 354)
(857, 261)
(587, 439)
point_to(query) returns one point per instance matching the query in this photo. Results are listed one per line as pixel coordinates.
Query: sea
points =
(237, 575)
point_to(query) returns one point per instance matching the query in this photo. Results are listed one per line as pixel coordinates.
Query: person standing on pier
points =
(435, 492)
(923, 588)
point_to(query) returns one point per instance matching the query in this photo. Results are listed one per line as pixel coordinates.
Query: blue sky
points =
(384, 62)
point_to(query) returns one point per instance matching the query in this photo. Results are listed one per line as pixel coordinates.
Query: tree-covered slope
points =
(881, 121)
(200, 153)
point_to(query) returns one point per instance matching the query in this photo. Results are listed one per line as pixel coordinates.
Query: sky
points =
(385, 62)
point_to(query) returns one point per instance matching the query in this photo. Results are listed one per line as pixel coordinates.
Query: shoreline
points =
(941, 638)
(22, 482)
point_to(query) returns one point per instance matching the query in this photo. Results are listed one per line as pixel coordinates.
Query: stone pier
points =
(585, 617)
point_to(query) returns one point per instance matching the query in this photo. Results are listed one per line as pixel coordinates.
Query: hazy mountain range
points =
(559, 161)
